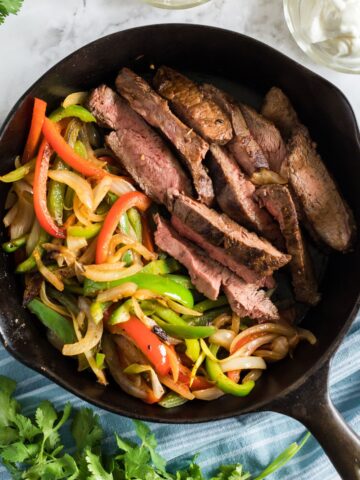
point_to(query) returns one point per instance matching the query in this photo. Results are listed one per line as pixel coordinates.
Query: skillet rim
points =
(261, 405)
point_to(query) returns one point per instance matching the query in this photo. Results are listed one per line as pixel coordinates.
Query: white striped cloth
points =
(253, 439)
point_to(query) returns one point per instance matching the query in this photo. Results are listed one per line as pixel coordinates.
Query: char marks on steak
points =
(278, 109)
(243, 146)
(208, 276)
(277, 200)
(155, 110)
(138, 147)
(234, 194)
(326, 211)
(245, 247)
(266, 135)
(204, 272)
(188, 101)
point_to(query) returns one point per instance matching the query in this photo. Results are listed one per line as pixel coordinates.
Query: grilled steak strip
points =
(278, 109)
(204, 272)
(266, 135)
(155, 110)
(243, 146)
(208, 276)
(191, 105)
(234, 194)
(138, 147)
(326, 211)
(245, 247)
(277, 200)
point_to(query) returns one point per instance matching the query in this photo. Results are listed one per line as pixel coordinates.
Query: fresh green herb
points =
(9, 6)
(31, 448)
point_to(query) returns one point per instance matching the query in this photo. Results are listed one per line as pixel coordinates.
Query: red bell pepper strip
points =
(199, 383)
(67, 154)
(146, 341)
(37, 121)
(122, 204)
(39, 191)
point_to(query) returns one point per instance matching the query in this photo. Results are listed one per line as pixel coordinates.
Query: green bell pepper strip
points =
(65, 299)
(29, 263)
(183, 280)
(172, 400)
(55, 322)
(210, 304)
(80, 149)
(97, 310)
(125, 227)
(85, 232)
(184, 331)
(155, 283)
(111, 198)
(207, 318)
(162, 266)
(18, 173)
(192, 345)
(222, 381)
(135, 221)
(76, 111)
(121, 314)
(15, 244)
(73, 287)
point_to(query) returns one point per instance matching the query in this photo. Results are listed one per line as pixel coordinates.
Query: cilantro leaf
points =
(16, 452)
(95, 467)
(149, 441)
(232, 472)
(27, 431)
(86, 429)
(9, 6)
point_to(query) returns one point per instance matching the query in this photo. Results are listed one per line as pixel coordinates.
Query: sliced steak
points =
(138, 147)
(326, 211)
(277, 200)
(278, 109)
(247, 301)
(266, 135)
(209, 276)
(245, 247)
(218, 253)
(155, 110)
(243, 146)
(189, 102)
(205, 273)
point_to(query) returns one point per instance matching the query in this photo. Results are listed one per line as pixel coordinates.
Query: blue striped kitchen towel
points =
(253, 440)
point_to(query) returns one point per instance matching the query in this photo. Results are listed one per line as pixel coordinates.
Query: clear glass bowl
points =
(175, 4)
(316, 51)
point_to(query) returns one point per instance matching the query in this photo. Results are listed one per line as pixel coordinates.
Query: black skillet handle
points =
(312, 406)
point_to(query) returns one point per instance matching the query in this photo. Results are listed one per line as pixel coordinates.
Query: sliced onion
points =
(306, 335)
(92, 337)
(11, 199)
(81, 186)
(181, 309)
(93, 272)
(101, 190)
(46, 273)
(235, 323)
(64, 254)
(119, 186)
(207, 351)
(75, 98)
(149, 322)
(243, 363)
(274, 328)
(280, 345)
(269, 355)
(17, 161)
(252, 376)
(117, 293)
(75, 244)
(264, 176)
(88, 354)
(80, 214)
(144, 294)
(46, 301)
(11, 214)
(24, 218)
(156, 386)
(88, 257)
(196, 367)
(33, 237)
(222, 320)
(223, 338)
(177, 387)
(208, 394)
(251, 347)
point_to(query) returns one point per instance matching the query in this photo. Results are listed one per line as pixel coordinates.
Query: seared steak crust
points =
(277, 200)
(138, 147)
(155, 110)
(191, 105)
(278, 109)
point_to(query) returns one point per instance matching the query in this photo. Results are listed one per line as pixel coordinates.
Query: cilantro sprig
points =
(31, 448)
(8, 7)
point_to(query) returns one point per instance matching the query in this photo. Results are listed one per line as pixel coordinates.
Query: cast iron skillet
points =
(247, 68)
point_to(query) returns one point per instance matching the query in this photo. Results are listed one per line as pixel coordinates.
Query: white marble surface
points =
(45, 31)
